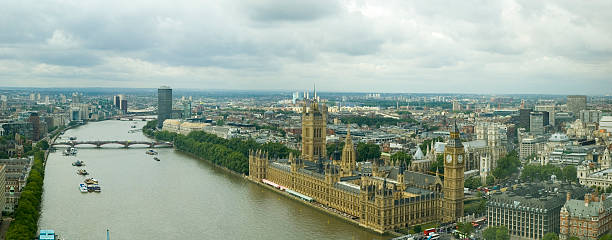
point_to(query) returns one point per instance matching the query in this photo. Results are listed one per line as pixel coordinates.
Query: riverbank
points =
(327, 210)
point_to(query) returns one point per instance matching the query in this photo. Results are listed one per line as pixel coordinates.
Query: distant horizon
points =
(109, 89)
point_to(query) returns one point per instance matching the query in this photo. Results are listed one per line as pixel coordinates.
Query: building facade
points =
(576, 103)
(378, 196)
(530, 210)
(164, 105)
(587, 219)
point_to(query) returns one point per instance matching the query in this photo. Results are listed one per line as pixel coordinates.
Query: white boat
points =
(83, 187)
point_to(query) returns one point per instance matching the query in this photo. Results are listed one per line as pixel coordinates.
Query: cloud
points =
(509, 46)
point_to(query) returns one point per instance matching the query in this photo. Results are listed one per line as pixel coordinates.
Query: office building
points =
(551, 112)
(124, 106)
(164, 105)
(531, 210)
(536, 123)
(576, 103)
(117, 101)
(605, 123)
(524, 115)
(590, 116)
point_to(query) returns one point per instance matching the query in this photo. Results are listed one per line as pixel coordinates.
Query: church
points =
(383, 197)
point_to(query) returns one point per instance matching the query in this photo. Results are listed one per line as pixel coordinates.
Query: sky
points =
(471, 46)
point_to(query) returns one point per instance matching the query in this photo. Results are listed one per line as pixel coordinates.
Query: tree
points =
(550, 236)
(427, 142)
(507, 166)
(417, 229)
(496, 233)
(570, 174)
(367, 151)
(490, 180)
(406, 158)
(44, 145)
(332, 147)
(438, 165)
(472, 182)
(606, 237)
(465, 227)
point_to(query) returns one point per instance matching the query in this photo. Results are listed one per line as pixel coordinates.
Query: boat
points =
(78, 163)
(97, 188)
(83, 187)
(133, 126)
(82, 172)
(156, 159)
(73, 151)
(66, 152)
(89, 181)
(72, 138)
(47, 235)
(151, 152)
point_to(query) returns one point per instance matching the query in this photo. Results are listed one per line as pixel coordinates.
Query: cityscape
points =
(306, 120)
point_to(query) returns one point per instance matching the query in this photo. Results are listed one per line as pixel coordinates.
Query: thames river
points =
(179, 197)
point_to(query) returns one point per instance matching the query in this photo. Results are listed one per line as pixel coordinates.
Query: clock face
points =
(449, 158)
(460, 158)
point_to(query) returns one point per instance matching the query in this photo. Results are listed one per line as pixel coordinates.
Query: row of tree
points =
(534, 172)
(229, 153)
(25, 225)
(507, 165)
(374, 121)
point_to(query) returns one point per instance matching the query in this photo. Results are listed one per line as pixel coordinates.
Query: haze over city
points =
(499, 47)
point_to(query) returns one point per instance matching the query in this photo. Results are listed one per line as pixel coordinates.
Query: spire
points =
(315, 90)
(456, 129)
(437, 172)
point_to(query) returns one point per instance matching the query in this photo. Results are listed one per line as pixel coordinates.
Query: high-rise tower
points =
(314, 128)
(454, 165)
(164, 105)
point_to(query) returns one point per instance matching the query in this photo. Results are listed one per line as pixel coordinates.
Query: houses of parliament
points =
(383, 196)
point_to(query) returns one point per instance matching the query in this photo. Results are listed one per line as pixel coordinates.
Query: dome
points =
(558, 137)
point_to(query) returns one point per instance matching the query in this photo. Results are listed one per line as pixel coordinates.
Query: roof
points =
(475, 144)
(577, 208)
(419, 179)
(418, 154)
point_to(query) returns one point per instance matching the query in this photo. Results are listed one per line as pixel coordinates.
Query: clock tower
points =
(454, 165)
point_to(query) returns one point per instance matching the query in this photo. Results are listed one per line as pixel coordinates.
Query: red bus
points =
(428, 231)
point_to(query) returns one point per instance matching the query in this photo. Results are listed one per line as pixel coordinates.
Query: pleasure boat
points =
(83, 187)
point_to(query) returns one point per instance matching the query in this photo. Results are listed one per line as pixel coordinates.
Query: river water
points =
(179, 197)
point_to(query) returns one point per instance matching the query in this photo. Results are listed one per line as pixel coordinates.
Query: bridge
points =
(125, 144)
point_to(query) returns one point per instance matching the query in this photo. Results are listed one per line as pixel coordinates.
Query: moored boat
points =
(83, 187)
(156, 159)
(78, 163)
(91, 181)
(82, 172)
(151, 152)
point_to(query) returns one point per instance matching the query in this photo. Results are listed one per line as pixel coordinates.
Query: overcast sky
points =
(480, 46)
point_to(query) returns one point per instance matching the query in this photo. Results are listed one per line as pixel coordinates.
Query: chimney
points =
(568, 196)
(587, 198)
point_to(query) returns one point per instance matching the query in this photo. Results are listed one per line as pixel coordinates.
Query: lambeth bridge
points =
(125, 144)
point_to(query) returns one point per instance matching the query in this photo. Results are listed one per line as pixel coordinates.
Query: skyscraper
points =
(576, 103)
(536, 123)
(164, 104)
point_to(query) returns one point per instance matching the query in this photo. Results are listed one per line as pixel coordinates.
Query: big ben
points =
(454, 166)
